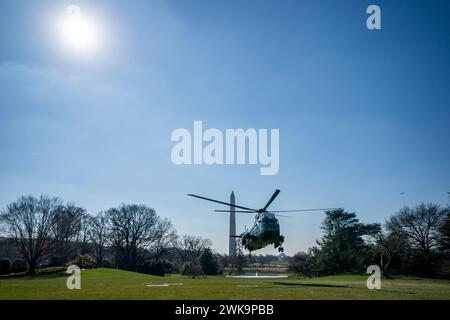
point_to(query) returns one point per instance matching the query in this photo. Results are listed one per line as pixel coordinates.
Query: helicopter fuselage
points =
(264, 232)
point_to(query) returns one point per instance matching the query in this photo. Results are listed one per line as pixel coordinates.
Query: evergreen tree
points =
(208, 262)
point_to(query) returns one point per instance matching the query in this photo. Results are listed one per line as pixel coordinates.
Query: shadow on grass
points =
(397, 291)
(312, 285)
(52, 275)
(49, 275)
(335, 286)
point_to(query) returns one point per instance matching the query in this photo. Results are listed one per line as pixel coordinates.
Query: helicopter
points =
(266, 228)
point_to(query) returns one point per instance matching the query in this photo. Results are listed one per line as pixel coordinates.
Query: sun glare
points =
(79, 33)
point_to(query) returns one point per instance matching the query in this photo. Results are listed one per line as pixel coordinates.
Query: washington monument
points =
(232, 239)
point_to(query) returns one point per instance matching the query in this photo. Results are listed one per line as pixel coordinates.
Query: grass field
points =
(117, 284)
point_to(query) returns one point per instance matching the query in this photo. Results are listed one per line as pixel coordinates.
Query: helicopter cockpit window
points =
(270, 221)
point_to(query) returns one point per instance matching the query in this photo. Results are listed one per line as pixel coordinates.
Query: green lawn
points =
(117, 284)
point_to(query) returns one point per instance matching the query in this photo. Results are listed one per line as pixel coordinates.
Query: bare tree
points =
(83, 234)
(131, 232)
(420, 225)
(445, 233)
(240, 260)
(165, 236)
(29, 221)
(222, 262)
(190, 248)
(389, 245)
(98, 235)
(66, 229)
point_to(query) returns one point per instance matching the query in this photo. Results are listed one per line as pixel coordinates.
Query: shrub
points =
(50, 270)
(18, 266)
(304, 264)
(193, 269)
(5, 266)
(84, 261)
(156, 268)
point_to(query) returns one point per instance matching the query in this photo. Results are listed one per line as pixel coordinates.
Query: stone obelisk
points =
(232, 240)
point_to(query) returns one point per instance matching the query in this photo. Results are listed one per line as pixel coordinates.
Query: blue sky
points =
(363, 115)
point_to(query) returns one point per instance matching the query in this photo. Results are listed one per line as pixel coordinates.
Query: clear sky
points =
(363, 115)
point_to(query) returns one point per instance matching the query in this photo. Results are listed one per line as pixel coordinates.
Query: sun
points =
(79, 33)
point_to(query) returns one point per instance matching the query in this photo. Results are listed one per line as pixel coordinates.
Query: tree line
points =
(49, 232)
(413, 240)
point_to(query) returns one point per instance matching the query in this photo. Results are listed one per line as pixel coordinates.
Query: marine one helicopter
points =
(266, 228)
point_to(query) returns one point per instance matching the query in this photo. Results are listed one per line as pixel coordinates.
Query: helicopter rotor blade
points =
(281, 215)
(221, 202)
(237, 211)
(243, 211)
(274, 195)
(302, 210)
